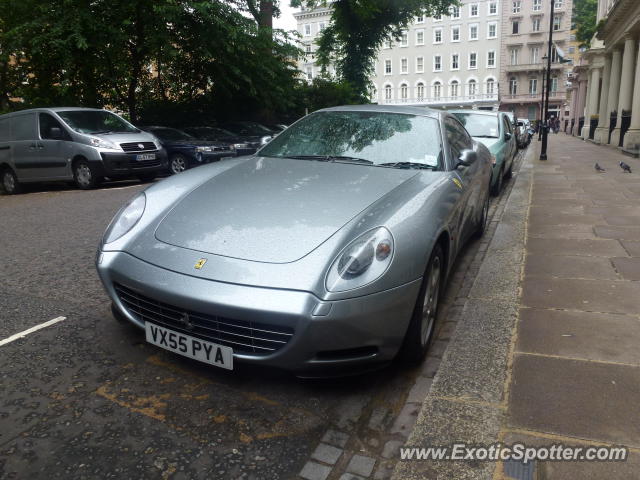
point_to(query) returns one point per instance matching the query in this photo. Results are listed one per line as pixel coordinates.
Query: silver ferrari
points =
(327, 250)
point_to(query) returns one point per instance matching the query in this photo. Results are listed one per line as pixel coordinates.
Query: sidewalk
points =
(548, 351)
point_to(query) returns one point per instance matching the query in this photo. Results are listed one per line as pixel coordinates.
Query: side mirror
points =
(507, 136)
(466, 158)
(265, 140)
(55, 133)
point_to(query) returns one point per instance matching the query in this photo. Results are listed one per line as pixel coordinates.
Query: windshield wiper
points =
(484, 136)
(407, 165)
(331, 158)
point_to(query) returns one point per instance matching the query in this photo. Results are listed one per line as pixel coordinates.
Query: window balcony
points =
(443, 100)
(532, 97)
(532, 67)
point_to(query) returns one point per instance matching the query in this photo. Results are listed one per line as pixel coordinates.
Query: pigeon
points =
(625, 167)
(598, 168)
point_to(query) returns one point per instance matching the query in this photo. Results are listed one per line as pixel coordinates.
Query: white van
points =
(85, 145)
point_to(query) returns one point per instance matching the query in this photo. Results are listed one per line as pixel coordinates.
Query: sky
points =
(286, 20)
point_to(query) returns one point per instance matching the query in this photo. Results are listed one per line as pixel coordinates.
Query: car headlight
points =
(363, 261)
(102, 143)
(125, 219)
(203, 149)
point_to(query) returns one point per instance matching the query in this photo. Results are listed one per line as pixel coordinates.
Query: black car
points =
(185, 151)
(244, 145)
(250, 129)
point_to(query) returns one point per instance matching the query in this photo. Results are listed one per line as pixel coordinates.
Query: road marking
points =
(20, 335)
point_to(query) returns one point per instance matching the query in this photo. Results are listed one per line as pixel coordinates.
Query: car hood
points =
(194, 143)
(274, 210)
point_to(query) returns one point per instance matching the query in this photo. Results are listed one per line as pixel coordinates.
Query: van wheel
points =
(423, 320)
(9, 185)
(85, 175)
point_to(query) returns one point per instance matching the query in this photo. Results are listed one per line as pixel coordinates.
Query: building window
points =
(535, 24)
(473, 61)
(455, 61)
(492, 30)
(420, 64)
(387, 43)
(473, 9)
(513, 86)
(537, 5)
(535, 54)
(555, 58)
(558, 4)
(387, 92)
(321, 26)
(420, 91)
(473, 87)
(437, 90)
(437, 35)
(404, 65)
(387, 67)
(455, 34)
(307, 49)
(516, 6)
(404, 91)
(437, 18)
(309, 73)
(437, 63)
(557, 21)
(493, 8)
(420, 19)
(307, 29)
(491, 59)
(515, 27)
(473, 31)
(455, 12)
(404, 39)
(533, 86)
(491, 85)
(554, 84)
(513, 56)
(419, 37)
(454, 89)
(572, 49)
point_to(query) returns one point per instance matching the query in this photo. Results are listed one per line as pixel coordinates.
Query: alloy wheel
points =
(8, 181)
(430, 305)
(83, 175)
(178, 164)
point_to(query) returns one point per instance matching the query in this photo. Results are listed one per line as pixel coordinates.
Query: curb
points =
(467, 399)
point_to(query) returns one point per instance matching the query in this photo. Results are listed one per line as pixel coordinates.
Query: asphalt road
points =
(88, 398)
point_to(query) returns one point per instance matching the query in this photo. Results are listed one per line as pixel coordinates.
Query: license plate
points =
(146, 156)
(188, 346)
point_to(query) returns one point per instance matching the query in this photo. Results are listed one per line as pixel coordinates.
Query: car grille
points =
(242, 336)
(133, 147)
(144, 163)
(221, 149)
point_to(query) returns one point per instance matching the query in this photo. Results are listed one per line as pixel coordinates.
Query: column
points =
(614, 88)
(592, 106)
(602, 130)
(626, 84)
(584, 111)
(582, 94)
(632, 138)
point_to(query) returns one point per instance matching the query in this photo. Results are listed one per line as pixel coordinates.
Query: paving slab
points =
(620, 233)
(570, 267)
(582, 399)
(562, 231)
(632, 248)
(629, 268)
(600, 248)
(564, 219)
(613, 296)
(622, 220)
(590, 336)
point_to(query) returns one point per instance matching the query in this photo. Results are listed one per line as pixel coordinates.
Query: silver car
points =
(323, 253)
(70, 143)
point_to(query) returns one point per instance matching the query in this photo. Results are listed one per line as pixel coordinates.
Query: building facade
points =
(310, 23)
(524, 47)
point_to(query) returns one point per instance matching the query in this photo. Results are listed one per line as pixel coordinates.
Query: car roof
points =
(475, 112)
(424, 111)
(56, 109)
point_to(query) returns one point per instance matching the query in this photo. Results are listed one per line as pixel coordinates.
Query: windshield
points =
(379, 138)
(480, 125)
(171, 134)
(248, 128)
(96, 121)
(209, 133)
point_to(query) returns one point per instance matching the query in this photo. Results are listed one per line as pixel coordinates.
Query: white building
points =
(451, 61)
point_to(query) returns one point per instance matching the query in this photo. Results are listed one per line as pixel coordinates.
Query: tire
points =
(497, 188)
(484, 220)
(178, 163)
(9, 184)
(85, 175)
(147, 177)
(422, 324)
(509, 173)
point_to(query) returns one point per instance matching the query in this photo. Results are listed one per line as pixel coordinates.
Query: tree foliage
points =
(359, 27)
(584, 16)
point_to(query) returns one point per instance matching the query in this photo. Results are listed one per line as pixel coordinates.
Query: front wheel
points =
(9, 185)
(178, 163)
(509, 173)
(497, 187)
(422, 325)
(85, 175)
(484, 220)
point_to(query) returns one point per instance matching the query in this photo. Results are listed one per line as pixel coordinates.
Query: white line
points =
(20, 335)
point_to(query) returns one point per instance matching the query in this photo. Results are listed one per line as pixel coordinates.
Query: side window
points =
(23, 127)
(46, 123)
(457, 137)
(5, 130)
(507, 125)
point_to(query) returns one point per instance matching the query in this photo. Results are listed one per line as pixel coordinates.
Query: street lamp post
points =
(545, 132)
(544, 79)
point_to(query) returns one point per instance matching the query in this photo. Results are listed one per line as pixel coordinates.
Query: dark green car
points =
(495, 131)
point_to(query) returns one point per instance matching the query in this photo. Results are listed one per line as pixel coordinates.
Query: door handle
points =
(33, 146)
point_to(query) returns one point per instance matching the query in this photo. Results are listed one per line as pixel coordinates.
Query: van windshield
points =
(96, 122)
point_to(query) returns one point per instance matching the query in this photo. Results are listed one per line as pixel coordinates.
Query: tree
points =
(584, 16)
(359, 27)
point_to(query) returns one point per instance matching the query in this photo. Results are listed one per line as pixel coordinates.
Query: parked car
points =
(252, 129)
(80, 144)
(244, 145)
(186, 152)
(523, 135)
(495, 131)
(328, 250)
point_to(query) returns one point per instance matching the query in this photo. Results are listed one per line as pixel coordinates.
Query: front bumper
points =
(202, 158)
(327, 336)
(126, 165)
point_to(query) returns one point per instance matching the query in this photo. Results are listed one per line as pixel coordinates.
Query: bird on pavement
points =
(625, 167)
(598, 168)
